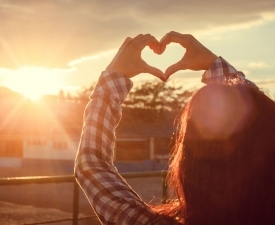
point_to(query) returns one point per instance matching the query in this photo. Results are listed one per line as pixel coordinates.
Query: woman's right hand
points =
(196, 57)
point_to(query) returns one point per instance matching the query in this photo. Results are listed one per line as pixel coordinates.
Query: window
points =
(36, 143)
(11, 148)
(60, 145)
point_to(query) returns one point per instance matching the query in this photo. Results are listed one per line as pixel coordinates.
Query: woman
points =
(222, 167)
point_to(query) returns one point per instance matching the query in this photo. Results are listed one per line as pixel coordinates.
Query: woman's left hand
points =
(128, 59)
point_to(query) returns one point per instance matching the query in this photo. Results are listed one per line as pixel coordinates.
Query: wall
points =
(58, 150)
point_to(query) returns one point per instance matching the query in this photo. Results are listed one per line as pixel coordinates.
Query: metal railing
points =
(71, 179)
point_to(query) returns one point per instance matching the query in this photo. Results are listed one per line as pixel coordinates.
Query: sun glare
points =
(34, 82)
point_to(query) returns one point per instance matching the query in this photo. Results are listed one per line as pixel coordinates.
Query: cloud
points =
(52, 33)
(265, 82)
(258, 65)
(92, 57)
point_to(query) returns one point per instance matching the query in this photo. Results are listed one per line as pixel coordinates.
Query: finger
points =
(125, 43)
(154, 71)
(127, 40)
(123, 46)
(138, 36)
(182, 39)
(162, 48)
(133, 40)
(172, 37)
(173, 69)
(146, 40)
(163, 42)
(166, 40)
(155, 47)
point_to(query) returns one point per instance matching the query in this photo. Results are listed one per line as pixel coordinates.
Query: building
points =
(38, 134)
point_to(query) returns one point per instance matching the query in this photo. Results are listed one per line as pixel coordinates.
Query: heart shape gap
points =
(172, 54)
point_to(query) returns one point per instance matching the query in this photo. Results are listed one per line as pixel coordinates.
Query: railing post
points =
(152, 147)
(75, 203)
(164, 189)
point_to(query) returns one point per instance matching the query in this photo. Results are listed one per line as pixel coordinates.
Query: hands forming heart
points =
(128, 59)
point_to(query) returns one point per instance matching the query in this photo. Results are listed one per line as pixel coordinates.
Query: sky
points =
(48, 45)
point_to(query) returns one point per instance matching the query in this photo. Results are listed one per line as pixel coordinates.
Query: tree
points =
(84, 94)
(150, 102)
(158, 96)
(154, 101)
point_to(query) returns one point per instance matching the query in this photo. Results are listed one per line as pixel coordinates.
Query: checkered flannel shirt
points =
(113, 200)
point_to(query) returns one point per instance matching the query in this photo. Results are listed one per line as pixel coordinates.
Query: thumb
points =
(162, 48)
(173, 69)
(154, 71)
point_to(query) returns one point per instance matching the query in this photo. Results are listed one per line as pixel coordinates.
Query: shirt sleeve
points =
(222, 72)
(111, 197)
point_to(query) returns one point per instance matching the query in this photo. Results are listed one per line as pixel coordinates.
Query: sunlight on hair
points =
(221, 112)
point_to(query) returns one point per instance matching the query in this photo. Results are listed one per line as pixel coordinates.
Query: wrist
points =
(210, 60)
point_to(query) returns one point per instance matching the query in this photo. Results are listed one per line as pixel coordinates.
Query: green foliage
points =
(154, 102)
(158, 96)
(151, 102)
(83, 96)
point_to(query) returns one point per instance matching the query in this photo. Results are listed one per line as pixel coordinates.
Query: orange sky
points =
(49, 45)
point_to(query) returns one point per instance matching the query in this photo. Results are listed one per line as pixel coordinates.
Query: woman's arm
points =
(109, 194)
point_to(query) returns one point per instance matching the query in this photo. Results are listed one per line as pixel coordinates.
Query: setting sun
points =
(31, 83)
(34, 82)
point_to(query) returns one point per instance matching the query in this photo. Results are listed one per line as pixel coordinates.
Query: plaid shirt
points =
(113, 200)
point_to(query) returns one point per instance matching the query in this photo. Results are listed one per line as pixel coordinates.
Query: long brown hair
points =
(222, 168)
